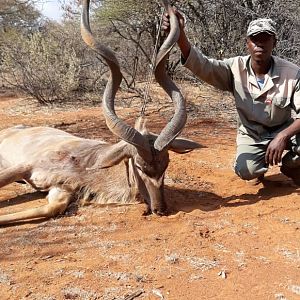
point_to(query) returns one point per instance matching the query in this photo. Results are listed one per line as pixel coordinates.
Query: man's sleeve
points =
(296, 97)
(215, 72)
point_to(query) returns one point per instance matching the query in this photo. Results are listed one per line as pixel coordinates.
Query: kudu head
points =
(147, 153)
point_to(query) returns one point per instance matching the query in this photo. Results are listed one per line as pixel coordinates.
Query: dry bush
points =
(51, 63)
(219, 28)
(41, 65)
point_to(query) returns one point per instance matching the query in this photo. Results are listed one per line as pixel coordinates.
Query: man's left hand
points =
(275, 149)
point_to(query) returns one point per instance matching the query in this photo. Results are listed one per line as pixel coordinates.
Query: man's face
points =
(261, 45)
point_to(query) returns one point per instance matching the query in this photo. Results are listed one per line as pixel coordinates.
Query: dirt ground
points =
(224, 238)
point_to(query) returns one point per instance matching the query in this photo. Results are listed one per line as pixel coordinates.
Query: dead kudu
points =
(69, 167)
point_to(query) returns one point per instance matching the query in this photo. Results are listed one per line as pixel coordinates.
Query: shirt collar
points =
(273, 72)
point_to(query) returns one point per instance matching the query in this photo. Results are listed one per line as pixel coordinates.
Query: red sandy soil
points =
(224, 238)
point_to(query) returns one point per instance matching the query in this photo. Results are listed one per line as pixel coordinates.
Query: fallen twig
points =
(134, 295)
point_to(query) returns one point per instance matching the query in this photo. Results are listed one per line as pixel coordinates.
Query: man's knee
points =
(248, 170)
(244, 173)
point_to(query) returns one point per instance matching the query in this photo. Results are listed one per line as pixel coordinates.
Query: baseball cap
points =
(261, 25)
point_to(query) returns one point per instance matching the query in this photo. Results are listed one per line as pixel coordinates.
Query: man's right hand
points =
(166, 21)
(183, 42)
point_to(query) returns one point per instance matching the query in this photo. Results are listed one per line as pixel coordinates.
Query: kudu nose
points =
(159, 212)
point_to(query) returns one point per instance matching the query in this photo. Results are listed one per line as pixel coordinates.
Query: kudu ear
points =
(182, 145)
(115, 154)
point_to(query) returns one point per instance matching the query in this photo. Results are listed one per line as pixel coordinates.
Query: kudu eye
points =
(139, 167)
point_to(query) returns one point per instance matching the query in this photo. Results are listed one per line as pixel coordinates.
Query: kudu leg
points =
(12, 174)
(58, 200)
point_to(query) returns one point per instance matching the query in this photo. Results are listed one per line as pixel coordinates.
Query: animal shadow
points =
(19, 199)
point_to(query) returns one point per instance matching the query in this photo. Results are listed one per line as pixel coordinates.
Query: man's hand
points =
(279, 143)
(275, 149)
(166, 21)
(183, 41)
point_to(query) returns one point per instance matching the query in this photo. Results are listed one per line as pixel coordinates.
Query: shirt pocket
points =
(281, 102)
(280, 111)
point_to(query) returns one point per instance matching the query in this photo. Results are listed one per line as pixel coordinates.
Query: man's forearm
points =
(290, 131)
(184, 45)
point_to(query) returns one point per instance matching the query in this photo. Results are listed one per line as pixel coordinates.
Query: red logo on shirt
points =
(268, 101)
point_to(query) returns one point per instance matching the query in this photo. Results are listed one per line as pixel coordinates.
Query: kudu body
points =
(65, 165)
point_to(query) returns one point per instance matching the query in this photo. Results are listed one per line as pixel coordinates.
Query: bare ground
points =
(224, 238)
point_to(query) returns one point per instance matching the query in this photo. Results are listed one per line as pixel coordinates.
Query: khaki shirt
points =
(262, 113)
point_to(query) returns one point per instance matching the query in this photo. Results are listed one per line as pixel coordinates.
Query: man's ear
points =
(246, 42)
(275, 42)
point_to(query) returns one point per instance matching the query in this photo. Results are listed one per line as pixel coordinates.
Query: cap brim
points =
(262, 31)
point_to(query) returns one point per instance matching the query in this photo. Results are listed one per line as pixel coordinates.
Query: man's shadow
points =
(187, 200)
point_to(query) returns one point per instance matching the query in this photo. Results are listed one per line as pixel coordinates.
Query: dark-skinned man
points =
(266, 89)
